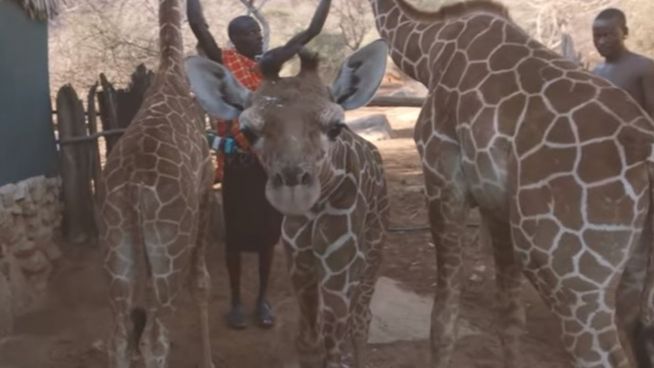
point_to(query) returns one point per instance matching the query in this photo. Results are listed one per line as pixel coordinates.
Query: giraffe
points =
(153, 207)
(559, 163)
(326, 180)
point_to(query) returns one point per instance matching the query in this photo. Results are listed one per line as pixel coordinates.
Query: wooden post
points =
(94, 148)
(130, 99)
(79, 223)
(108, 110)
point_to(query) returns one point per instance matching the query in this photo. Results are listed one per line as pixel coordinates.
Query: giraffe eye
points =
(334, 130)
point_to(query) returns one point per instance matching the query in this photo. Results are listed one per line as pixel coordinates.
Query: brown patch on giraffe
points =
(507, 56)
(599, 161)
(601, 318)
(343, 200)
(609, 204)
(481, 47)
(336, 280)
(585, 343)
(626, 111)
(531, 128)
(512, 34)
(593, 122)
(150, 144)
(565, 95)
(541, 164)
(469, 105)
(481, 134)
(529, 73)
(413, 50)
(444, 55)
(635, 144)
(454, 73)
(545, 234)
(599, 241)
(564, 64)
(451, 31)
(170, 152)
(427, 37)
(474, 28)
(508, 112)
(485, 167)
(170, 211)
(593, 269)
(497, 86)
(167, 168)
(566, 197)
(561, 132)
(572, 327)
(637, 175)
(473, 76)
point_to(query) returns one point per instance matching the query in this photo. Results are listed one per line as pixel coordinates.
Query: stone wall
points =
(30, 219)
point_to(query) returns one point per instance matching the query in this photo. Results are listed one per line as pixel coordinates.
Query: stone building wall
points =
(30, 219)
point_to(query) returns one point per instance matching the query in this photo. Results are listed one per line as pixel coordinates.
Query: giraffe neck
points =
(413, 35)
(170, 36)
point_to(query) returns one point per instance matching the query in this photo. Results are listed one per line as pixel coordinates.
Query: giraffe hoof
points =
(236, 318)
(265, 316)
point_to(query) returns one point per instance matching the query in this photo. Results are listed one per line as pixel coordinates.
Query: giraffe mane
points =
(453, 10)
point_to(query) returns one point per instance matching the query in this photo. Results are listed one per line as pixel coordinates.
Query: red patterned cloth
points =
(246, 71)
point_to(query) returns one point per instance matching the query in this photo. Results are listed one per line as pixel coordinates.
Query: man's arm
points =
(201, 31)
(648, 88)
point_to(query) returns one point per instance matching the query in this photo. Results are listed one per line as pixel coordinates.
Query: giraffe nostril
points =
(277, 180)
(305, 179)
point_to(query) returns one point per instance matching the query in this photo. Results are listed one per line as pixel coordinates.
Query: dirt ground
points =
(71, 328)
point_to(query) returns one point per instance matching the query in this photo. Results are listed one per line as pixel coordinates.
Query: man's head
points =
(609, 32)
(292, 123)
(245, 34)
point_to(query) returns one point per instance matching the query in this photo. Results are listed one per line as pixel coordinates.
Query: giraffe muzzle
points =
(292, 190)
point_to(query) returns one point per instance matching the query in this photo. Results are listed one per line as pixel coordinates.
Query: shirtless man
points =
(632, 72)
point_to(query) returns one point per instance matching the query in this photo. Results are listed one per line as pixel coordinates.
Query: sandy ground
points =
(71, 328)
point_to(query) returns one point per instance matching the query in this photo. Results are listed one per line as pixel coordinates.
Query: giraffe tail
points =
(138, 314)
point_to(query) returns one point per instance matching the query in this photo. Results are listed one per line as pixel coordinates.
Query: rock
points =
(372, 128)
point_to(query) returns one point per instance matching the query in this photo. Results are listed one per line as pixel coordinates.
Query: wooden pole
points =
(79, 224)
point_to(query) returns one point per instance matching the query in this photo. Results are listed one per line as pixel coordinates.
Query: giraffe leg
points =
(119, 264)
(585, 307)
(201, 283)
(643, 341)
(509, 279)
(361, 314)
(447, 215)
(167, 276)
(301, 263)
(628, 306)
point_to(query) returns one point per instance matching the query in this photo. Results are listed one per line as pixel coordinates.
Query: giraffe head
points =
(294, 122)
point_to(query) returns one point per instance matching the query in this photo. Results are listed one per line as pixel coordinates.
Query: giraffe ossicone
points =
(557, 161)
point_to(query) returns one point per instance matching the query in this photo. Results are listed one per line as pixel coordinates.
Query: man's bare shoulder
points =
(642, 64)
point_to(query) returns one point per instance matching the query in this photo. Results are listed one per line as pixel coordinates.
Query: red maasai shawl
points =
(246, 72)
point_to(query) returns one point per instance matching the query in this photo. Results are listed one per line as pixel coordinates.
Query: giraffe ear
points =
(216, 89)
(360, 75)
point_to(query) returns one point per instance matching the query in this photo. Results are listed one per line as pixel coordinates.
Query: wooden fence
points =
(108, 113)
